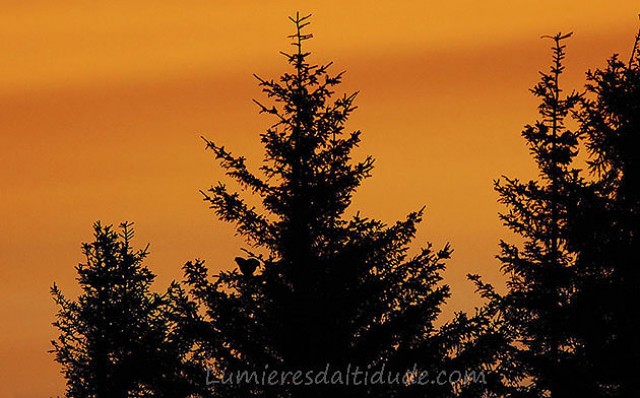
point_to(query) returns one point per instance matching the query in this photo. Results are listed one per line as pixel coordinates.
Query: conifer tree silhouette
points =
(331, 289)
(605, 231)
(115, 338)
(537, 310)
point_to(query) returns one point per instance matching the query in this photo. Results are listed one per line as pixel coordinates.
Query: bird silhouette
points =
(247, 266)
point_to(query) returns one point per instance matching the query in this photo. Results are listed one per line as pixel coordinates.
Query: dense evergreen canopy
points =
(332, 289)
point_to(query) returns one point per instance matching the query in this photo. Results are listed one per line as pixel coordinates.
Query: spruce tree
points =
(116, 338)
(537, 310)
(329, 289)
(605, 231)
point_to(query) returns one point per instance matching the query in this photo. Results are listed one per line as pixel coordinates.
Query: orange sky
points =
(101, 107)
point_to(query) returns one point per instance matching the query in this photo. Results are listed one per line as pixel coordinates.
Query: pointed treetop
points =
(634, 51)
(298, 37)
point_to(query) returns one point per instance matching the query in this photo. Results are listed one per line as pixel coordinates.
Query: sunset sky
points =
(102, 106)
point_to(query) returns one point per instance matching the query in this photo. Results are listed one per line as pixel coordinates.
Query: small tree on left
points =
(116, 338)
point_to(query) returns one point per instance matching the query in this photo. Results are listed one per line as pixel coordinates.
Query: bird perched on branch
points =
(247, 266)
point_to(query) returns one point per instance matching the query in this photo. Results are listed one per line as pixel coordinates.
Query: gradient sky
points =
(101, 107)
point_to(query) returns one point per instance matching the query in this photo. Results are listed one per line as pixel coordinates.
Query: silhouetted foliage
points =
(319, 289)
(538, 309)
(115, 338)
(606, 228)
(322, 287)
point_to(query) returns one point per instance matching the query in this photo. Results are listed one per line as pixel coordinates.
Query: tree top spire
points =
(298, 59)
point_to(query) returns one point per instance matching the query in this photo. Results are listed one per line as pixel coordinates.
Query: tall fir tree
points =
(116, 338)
(605, 231)
(536, 312)
(328, 289)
